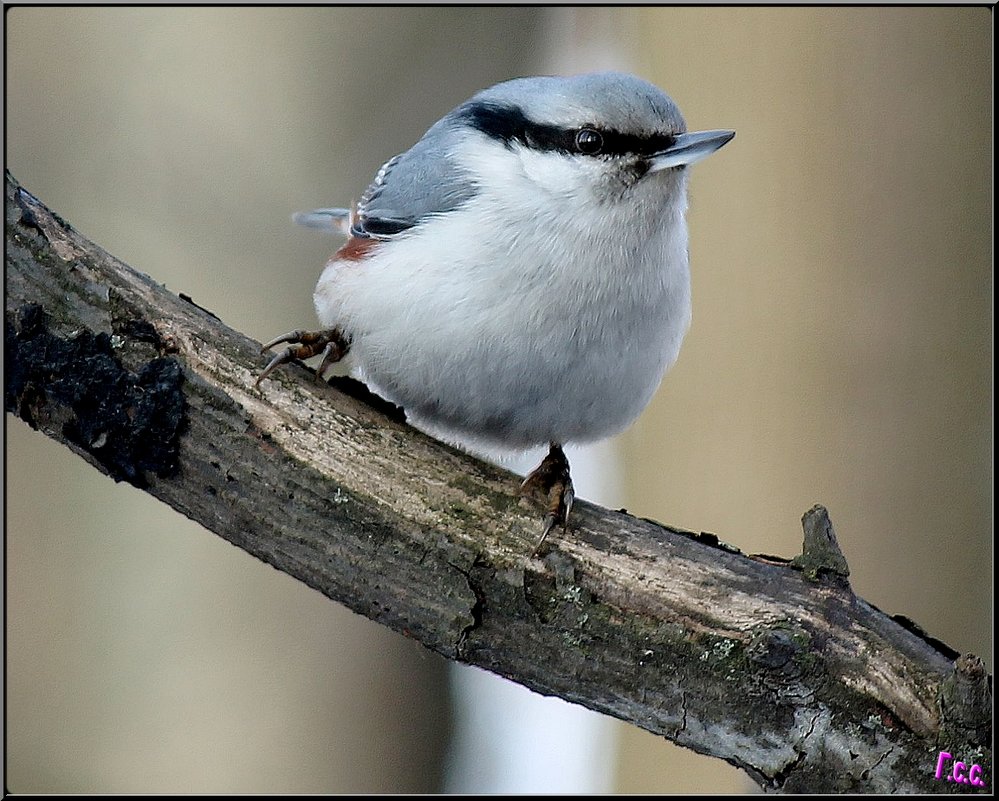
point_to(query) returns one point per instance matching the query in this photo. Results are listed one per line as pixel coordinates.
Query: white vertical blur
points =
(506, 738)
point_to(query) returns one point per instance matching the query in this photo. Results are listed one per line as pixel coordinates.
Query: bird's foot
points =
(331, 342)
(551, 479)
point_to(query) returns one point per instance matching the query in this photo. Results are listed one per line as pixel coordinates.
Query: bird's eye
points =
(588, 141)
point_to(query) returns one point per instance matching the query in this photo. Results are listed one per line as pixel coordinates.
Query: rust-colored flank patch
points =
(356, 249)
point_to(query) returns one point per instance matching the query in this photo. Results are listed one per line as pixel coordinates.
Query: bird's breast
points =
(528, 333)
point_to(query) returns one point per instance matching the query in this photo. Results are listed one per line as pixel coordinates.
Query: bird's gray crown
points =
(628, 115)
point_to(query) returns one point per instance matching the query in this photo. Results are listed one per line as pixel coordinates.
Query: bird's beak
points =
(688, 148)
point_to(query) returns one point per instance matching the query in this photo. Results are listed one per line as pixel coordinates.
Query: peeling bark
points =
(775, 666)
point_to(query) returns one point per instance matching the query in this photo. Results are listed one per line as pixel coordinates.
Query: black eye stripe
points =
(509, 124)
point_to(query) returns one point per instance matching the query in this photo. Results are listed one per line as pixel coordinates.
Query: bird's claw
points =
(331, 342)
(552, 479)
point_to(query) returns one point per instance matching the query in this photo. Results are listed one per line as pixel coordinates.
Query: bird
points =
(520, 276)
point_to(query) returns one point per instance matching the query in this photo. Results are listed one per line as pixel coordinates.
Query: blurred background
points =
(840, 352)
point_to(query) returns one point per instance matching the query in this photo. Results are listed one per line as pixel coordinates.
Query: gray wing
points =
(420, 183)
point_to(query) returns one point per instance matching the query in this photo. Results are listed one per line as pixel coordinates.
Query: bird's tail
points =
(336, 221)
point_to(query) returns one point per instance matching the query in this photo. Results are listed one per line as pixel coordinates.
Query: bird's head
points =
(595, 136)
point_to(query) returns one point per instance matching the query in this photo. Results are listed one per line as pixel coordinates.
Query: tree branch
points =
(775, 667)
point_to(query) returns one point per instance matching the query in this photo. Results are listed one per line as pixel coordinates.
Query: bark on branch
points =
(774, 666)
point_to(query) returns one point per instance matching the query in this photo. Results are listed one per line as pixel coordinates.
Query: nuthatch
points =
(520, 276)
